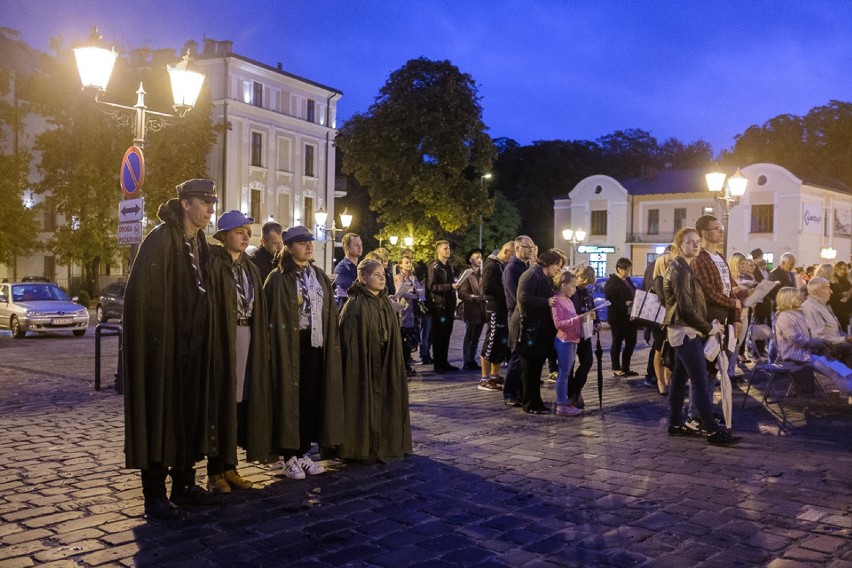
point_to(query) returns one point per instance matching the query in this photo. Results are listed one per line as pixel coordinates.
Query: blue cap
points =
(231, 220)
(297, 234)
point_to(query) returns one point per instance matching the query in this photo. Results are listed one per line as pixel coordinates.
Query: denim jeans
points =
(689, 365)
(710, 386)
(425, 337)
(512, 383)
(565, 353)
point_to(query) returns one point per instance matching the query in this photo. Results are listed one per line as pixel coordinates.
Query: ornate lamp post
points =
(574, 237)
(321, 217)
(729, 190)
(95, 64)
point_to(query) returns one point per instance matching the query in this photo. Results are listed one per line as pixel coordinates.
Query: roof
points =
(668, 181)
(827, 183)
(208, 56)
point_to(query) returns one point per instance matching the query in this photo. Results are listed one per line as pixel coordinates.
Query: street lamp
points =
(573, 237)
(408, 241)
(321, 216)
(729, 190)
(482, 179)
(95, 64)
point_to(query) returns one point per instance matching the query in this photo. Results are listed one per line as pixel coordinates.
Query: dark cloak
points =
(283, 306)
(257, 388)
(375, 384)
(154, 400)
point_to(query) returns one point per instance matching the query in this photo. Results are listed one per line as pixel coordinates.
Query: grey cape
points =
(152, 366)
(375, 384)
(282, 302)
(257, 390)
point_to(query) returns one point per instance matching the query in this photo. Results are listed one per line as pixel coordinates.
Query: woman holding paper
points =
(686, 318)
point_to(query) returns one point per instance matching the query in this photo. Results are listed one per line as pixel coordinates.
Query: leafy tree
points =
(18, 228)
(501, 226)
(420, 150)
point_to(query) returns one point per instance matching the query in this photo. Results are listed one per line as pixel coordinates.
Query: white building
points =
(277, 160)
(637, 218)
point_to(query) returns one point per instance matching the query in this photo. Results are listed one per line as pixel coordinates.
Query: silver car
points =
(40, 307)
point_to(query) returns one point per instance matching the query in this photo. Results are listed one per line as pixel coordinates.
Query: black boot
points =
(154, 491)
(185, 491)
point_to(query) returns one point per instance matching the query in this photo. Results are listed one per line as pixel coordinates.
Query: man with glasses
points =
(713, 275)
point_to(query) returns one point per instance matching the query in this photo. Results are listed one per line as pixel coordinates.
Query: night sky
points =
(546, 69)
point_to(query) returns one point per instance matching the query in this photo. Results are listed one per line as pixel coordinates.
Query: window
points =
(309, 213)
(653, 221)
(311, 111)
(679, 218)
(762, 218)
(598, 223)
(257, 95)
(49, 216)
(309, 160)
(257, 149)
(254, 205)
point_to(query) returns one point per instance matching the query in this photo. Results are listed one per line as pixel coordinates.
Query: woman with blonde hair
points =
(741, 274)
(664, 374)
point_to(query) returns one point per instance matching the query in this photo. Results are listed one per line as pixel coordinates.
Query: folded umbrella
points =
(599, 355)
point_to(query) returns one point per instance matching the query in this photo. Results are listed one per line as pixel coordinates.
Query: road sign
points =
(130, 233)
(131, 210)
(132, 171)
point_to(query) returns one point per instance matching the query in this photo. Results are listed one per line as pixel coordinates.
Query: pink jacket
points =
(566, 320)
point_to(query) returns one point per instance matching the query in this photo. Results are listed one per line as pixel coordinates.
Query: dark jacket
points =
(470, 293)
(684, 298)
(375, 385)
(166, 317)
(283, 304)
(492, 286)
(257, 392)
(534, 293)
(440, 294)
(584, 302)
(511, 277)
(619, 291)
(264, 261)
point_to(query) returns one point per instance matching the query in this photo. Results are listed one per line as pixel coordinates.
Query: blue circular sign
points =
(132, 171)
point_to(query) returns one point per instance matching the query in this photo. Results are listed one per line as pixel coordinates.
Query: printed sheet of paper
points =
(760, 292)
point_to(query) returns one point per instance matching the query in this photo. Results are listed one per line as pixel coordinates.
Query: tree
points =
(420, 150)
(81, 156)
(501, 226)
(18, 228)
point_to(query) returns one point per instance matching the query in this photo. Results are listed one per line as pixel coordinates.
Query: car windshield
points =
(37, 292)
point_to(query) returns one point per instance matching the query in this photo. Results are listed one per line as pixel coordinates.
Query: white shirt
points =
(724, 272)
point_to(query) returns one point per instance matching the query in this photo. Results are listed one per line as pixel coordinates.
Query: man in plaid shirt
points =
(712, 273)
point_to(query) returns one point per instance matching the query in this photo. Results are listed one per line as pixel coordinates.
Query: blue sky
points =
(546, 69)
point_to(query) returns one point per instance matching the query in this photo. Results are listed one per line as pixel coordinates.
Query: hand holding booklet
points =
(760, 292)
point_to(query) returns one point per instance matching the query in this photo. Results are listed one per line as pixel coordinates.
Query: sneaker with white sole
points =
(293, 468)
(694, 424)
(308, 466)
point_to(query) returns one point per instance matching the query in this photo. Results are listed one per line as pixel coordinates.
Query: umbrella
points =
(599, 355)
(727, 392)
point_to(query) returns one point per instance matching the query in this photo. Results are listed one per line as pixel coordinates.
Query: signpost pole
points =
(132, 208)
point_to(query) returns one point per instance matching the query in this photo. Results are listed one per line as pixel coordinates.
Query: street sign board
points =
(593, 249)
(132, 172)
(130, 233)
(131, 210)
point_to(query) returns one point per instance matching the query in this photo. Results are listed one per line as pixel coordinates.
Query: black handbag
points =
(421, 308)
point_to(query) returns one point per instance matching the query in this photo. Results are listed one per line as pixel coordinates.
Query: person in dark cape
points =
(169, 425)
(378, 427)
(239, 354)
(307, 386)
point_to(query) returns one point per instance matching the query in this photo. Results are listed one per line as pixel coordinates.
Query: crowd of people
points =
(267, 352)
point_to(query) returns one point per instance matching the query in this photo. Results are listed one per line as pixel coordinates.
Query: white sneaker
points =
(293, 468)
(308, 466)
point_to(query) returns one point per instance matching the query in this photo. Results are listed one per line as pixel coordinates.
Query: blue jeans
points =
(512, 383)
(565, 353)
(425, 337)
(689, 364)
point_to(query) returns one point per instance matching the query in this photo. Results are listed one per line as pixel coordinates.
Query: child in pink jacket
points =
(568, 325)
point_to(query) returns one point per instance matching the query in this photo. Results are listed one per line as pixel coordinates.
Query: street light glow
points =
(408, 241)
(186, 85)
(321, 216)
(346, 218)
(95, 65)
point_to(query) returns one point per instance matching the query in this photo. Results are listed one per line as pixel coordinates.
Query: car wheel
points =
(79, 332)
(102, 317)
(15, 326)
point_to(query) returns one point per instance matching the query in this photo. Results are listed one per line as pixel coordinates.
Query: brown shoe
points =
(217, 484)
(233, 478)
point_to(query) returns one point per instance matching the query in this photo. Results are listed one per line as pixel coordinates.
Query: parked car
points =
(598, 293)
(111, 302)
(40, 307)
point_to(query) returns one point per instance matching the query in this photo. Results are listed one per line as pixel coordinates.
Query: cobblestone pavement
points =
(486, 486)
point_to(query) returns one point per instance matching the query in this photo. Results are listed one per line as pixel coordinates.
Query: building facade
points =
(637, 218)
(276, 161)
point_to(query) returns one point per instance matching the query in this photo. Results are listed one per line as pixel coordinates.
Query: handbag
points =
(421, 308)
(647, 310)
(527, 337)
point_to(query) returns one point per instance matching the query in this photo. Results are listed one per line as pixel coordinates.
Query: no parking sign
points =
(132, 171)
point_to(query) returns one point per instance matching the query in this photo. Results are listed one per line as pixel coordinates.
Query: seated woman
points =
(795, 343)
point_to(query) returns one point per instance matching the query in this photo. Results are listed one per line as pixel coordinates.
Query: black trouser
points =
(622, 333)
(584, 360)
(531, 367)
(442, 329)
(311, 378)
